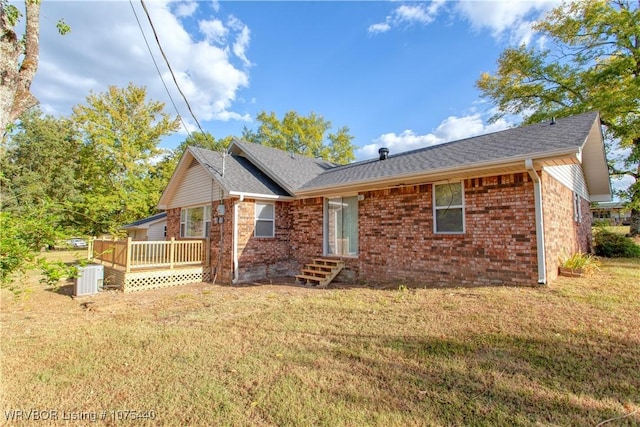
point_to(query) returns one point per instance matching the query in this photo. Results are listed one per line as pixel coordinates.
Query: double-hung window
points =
(265, 220)
(448, 208)
(195, 222)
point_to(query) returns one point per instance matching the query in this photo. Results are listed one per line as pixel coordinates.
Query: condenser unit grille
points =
(90, 279)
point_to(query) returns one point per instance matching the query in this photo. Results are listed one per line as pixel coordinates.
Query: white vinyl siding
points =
(571, 176)
(156, 231)
(448, 208)
(195, 188)
(265, 219)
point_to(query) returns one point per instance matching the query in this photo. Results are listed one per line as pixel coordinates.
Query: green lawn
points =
(278, 355)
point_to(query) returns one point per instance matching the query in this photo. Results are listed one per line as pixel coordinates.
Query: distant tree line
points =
(101, 167)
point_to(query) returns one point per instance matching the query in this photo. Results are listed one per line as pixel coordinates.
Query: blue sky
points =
(398, 74)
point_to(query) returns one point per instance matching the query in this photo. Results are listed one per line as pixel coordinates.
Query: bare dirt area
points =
(38, 300)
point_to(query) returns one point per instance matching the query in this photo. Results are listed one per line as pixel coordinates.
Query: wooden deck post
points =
(113, 252)
(206, 256)
(172, 252)
(90, 248)
(127, 254)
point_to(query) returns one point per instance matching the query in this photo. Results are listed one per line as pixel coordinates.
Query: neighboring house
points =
(614, 213)
(501, 208)
(152, 228)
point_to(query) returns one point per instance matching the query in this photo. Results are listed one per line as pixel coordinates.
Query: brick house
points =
(500, 208)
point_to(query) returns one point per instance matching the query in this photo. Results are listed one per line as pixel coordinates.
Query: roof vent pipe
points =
(384, 153)
(553, 121)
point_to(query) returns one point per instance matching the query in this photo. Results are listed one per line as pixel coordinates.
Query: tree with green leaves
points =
(119, 131)
(19, 59)
(39, 166)
(22, 236)
(38, 171)
(303, 135)
(202, 140)
(591, 62)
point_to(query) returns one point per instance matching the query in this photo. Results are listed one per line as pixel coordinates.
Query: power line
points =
(158, 69)
(169, 66)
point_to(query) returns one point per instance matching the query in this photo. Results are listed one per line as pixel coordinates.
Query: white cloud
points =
(214, 30)
(512, 18)
(451, 129)
(105, 47)
(379, 28)
(242, 42)
(413, 13)
(505, 18)
(405, 15)
(185, 9)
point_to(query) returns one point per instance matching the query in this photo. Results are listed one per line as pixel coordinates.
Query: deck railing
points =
(131, 255)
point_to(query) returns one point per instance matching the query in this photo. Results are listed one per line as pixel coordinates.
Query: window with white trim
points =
(195, 222)
(265, 220)
(448, 208)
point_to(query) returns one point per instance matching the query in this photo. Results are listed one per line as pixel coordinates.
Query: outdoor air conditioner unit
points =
(90, 279)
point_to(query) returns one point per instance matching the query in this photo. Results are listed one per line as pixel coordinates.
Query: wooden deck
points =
(139, 265)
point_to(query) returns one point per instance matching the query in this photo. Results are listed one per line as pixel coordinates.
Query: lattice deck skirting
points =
(153, 279)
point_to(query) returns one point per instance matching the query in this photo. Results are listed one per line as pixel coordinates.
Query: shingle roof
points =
(544, 138)
(291, 171)
(239, 174)
(256, 169)
(147, 220)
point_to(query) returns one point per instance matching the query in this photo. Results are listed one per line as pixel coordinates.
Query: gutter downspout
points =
(537, 192)
(235, 241)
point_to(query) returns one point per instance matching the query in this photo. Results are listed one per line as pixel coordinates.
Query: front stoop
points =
(320, 272)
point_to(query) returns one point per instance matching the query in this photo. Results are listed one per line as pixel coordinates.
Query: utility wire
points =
(158, 69)
(169, 66)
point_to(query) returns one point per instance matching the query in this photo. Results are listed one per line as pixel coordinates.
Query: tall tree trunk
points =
(634, 229)
(16, 76)
(635, 222)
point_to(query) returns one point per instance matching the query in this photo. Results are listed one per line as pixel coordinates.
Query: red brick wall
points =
(306, 229)
(221, 243)
(173, 223)
(223, 266)
(397, 242)
(263, 257)
(563, 235)
(397, 239)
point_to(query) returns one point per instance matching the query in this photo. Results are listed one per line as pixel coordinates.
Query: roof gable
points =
(290, 171)
(596, 170)
(234, 175)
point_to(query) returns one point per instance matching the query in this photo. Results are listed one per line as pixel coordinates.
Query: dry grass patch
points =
(282, 355)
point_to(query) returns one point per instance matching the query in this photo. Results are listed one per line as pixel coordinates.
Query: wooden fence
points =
(136, 255)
